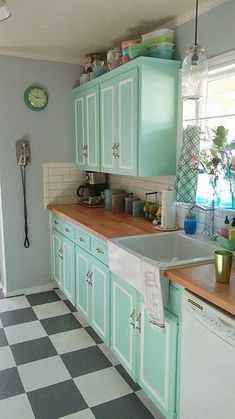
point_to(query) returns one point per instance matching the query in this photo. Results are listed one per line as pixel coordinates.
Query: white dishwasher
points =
(207, 377)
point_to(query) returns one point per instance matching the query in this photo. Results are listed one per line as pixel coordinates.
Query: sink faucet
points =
(210, 229)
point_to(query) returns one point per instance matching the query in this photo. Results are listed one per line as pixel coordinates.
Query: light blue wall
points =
(51, 134)
(216, 31)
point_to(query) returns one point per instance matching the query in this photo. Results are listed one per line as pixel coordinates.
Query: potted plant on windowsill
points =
(218, 162)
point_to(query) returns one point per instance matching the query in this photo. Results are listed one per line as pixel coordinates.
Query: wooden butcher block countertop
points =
(200, 279)
(102, 223)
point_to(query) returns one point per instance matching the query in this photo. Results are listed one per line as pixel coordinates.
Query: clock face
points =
(36, 98)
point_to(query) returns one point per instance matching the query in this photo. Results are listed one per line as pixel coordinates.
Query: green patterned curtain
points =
(186, 176)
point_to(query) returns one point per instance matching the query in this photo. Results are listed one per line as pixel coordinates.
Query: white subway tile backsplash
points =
(62, 170)
(60, 183)
(140, 186)
(56, 178)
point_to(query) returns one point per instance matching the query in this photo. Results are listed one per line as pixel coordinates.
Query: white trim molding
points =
(186, 17)
(222, 60)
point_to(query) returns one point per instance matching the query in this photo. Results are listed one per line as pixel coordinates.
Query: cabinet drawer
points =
(68, 230)
(57, 223)
(100, 250)
(82, 239)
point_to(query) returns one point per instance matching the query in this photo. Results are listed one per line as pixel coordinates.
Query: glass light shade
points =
(194, 74)
(4, 10)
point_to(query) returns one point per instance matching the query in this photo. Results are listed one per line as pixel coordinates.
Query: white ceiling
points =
(64, 30)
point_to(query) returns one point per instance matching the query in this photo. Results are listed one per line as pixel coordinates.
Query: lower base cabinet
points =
(149, 356)
(117, 313)
(93, 291)
(63, 258)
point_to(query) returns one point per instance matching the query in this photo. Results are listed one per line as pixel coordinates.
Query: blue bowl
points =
(99, 70)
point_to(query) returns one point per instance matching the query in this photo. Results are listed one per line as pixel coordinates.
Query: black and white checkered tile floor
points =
(53, 365)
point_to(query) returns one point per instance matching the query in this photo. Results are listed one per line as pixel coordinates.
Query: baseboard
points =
(33, 290)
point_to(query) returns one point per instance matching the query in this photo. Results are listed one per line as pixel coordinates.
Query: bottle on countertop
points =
(224, 231)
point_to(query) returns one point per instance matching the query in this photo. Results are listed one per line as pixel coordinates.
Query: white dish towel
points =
(150, 275)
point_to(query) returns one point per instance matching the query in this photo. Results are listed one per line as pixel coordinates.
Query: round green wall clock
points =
(36, 98)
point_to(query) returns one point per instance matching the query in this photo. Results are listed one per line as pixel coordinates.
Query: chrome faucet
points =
(210, 229)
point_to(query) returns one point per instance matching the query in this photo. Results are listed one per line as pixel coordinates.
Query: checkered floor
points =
(53, 365)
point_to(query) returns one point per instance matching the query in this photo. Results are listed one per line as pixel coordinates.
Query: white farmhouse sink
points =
(164, 250)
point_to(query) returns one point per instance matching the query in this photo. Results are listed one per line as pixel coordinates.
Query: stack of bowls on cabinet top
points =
(125, 49)
(160, 43)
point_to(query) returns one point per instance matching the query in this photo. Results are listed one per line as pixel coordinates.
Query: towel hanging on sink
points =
(153, 297)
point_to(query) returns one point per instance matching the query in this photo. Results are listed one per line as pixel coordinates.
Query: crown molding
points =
(186, 17)
(58, 59)
(222, 60)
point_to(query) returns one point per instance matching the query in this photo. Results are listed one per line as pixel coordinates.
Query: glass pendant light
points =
(194, 70)
(4, 10)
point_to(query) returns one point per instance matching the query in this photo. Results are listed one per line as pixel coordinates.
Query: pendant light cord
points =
(23, 178)
(196, 19)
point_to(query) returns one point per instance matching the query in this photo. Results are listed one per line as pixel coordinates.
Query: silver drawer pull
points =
(98, 250)
(67, 230)
(132, 316)
(138, 321)
(81, 239)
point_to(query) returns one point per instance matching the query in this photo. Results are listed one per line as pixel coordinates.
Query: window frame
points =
(224, 65)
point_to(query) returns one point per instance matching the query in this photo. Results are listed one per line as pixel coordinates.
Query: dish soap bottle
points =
(224, 231)
(190, 223)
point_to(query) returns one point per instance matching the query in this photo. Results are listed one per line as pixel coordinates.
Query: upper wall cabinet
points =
(87, 129)
(118, 124)
(134, 122)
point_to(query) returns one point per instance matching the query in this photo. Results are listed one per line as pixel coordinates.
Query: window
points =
(218, 109)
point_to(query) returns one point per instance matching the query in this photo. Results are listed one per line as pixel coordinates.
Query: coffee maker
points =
(92, 191)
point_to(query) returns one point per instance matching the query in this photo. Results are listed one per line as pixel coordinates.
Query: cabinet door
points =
(80, 131)
(68, 269)
(56, 257)
(157, 366)
(82, 281)
(126, 113)
(107, 128)
(100, 304)
(92, 130)
(123, 323)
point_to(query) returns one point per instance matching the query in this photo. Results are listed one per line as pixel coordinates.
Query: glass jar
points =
(113, 58)
(190, 223)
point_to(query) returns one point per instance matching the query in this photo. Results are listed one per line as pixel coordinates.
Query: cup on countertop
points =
(223, 266)
(108, 193)
(118, 202)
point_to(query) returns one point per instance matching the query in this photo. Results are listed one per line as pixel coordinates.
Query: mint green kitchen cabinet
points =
(82, 281)
(100, 299)
(92, 292)
(118, 120)
(87, 129)
(123, 324)
(136, 116)
(158, 360)
(63, 257)
(56, 257)
(149, 356)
